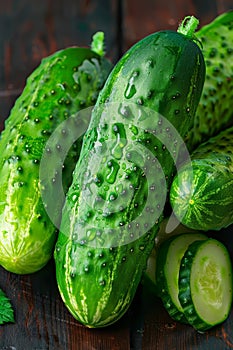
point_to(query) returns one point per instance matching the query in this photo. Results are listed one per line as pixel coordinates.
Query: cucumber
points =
(64, 83)
(201, 193)
(115, 203)
(214, 112)
(205, 284)
(168, 260)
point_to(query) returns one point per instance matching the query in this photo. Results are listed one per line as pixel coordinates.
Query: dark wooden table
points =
(30, 30)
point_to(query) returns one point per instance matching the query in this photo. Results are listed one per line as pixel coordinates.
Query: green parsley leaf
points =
(6, 310)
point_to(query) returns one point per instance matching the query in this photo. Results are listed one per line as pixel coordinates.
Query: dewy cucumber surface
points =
(214, 112)
(59, 87)
(113, 207)
(205, 284)
(201, 194)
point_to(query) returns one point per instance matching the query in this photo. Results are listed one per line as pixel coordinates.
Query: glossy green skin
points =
(104, 239)
(61, 85)
(201, 195)
(190, 291)
(214, 112)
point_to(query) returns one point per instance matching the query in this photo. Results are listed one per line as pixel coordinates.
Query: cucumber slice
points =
(205, 284)
(168, 261)
(165, 232)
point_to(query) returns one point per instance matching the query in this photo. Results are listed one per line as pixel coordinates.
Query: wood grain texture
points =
(43, 322)
(29, 31)
(149, 16)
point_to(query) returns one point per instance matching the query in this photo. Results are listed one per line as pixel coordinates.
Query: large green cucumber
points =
(201, 194)
(115, 203)
(214, 112)
(64, 83)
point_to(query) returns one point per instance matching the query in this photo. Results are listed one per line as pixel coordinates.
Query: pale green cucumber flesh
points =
(165, 233)
(172, 266)
(205, 284)
(168, 265)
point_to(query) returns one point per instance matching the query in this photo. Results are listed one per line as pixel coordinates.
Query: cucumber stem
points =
(97, 44)
(188, 26)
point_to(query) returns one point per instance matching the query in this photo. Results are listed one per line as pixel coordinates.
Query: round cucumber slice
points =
(205, 284)
(176, 251)
(169, 258)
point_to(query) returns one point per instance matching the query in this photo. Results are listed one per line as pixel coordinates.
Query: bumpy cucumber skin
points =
(185, 290)
(163, 72)
(59, 87)
(162, 259)
(201, 193)
(214, 112)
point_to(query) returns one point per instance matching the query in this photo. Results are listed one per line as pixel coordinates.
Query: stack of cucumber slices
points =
(193, 277)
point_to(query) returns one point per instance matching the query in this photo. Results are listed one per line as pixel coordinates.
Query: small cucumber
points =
(115, 203)
(205, 284)
(168, 259)
(63, 84)
(201, 194)
(214, 111)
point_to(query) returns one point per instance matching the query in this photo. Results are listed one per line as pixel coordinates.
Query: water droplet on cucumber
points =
(114, 167)
(131, 90)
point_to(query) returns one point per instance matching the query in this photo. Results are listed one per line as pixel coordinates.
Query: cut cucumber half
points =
(205, 284)
(168, 261)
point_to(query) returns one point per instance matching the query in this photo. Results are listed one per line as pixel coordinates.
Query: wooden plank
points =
(37, 307)
(43, 322)
(115, 337)
(162, 333)
(149, 16)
